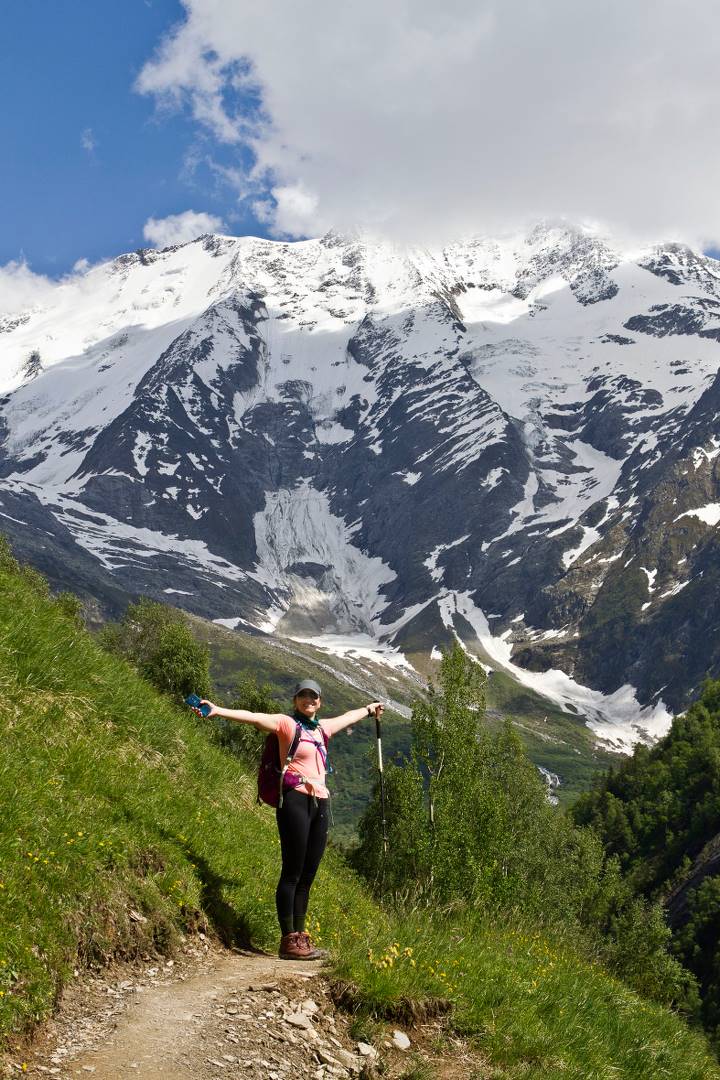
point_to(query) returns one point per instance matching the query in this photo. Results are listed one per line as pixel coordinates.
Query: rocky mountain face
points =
(512, 441)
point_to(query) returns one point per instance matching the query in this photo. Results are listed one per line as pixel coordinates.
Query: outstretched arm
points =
(375, 708)
(265, 721)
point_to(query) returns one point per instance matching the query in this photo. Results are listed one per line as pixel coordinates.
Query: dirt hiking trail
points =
(216, 1014)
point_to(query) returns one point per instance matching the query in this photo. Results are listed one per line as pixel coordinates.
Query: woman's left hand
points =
(376, 708)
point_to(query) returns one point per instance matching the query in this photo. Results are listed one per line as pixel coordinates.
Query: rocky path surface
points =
(214, 1014)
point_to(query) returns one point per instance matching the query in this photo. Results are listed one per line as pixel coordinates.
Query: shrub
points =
(243, 739)
(157, 640)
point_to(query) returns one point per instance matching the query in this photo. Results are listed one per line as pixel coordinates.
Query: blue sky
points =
(86, 159)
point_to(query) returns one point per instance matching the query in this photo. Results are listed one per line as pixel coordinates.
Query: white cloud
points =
(88, 141)
(292, 210)
(180, 228)
(21, 289)
(428, 120)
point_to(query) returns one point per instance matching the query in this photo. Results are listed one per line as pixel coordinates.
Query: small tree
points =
(446, 739)
(243, 739)
(469, 821)
(407, 869)
(432, 801)
(157, 640)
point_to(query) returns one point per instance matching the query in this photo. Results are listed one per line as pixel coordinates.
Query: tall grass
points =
(528, 999)
(124, 826)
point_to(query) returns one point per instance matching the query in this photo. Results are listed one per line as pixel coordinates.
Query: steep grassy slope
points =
(124, 825)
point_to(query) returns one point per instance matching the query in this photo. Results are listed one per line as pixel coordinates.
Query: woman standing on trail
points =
(302, 816)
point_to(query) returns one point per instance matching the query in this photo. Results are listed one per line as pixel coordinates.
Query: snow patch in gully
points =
(306, 557)
(618, 718)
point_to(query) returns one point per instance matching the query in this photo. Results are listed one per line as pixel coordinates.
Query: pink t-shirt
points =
(309, 760)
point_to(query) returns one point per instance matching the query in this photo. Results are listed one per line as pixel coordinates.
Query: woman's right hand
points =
(213, 709)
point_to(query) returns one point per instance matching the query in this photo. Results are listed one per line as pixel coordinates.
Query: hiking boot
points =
(293, 947)
(307, 943)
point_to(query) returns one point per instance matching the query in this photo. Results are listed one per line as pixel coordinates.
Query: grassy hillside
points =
(124, 825)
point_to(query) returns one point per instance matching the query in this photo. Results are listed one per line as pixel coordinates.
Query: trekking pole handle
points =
(378, 733)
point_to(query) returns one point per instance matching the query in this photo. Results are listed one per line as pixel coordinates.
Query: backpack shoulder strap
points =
(292, 751)
(294, 743)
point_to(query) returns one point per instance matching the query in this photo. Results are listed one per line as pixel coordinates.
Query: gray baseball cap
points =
(308, 684)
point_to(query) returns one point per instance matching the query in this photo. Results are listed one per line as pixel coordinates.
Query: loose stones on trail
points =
(401, 1040)
(223, 1018)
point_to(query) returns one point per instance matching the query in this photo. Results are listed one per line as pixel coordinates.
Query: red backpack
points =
(271, 777)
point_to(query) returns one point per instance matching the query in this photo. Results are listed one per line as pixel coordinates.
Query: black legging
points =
(303, 826)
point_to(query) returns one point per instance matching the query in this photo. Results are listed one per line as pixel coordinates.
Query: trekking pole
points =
(378, 732)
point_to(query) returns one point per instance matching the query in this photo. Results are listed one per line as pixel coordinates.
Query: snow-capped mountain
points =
(514, 441)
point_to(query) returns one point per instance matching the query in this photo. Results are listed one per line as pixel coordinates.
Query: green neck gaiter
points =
(306, 721)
